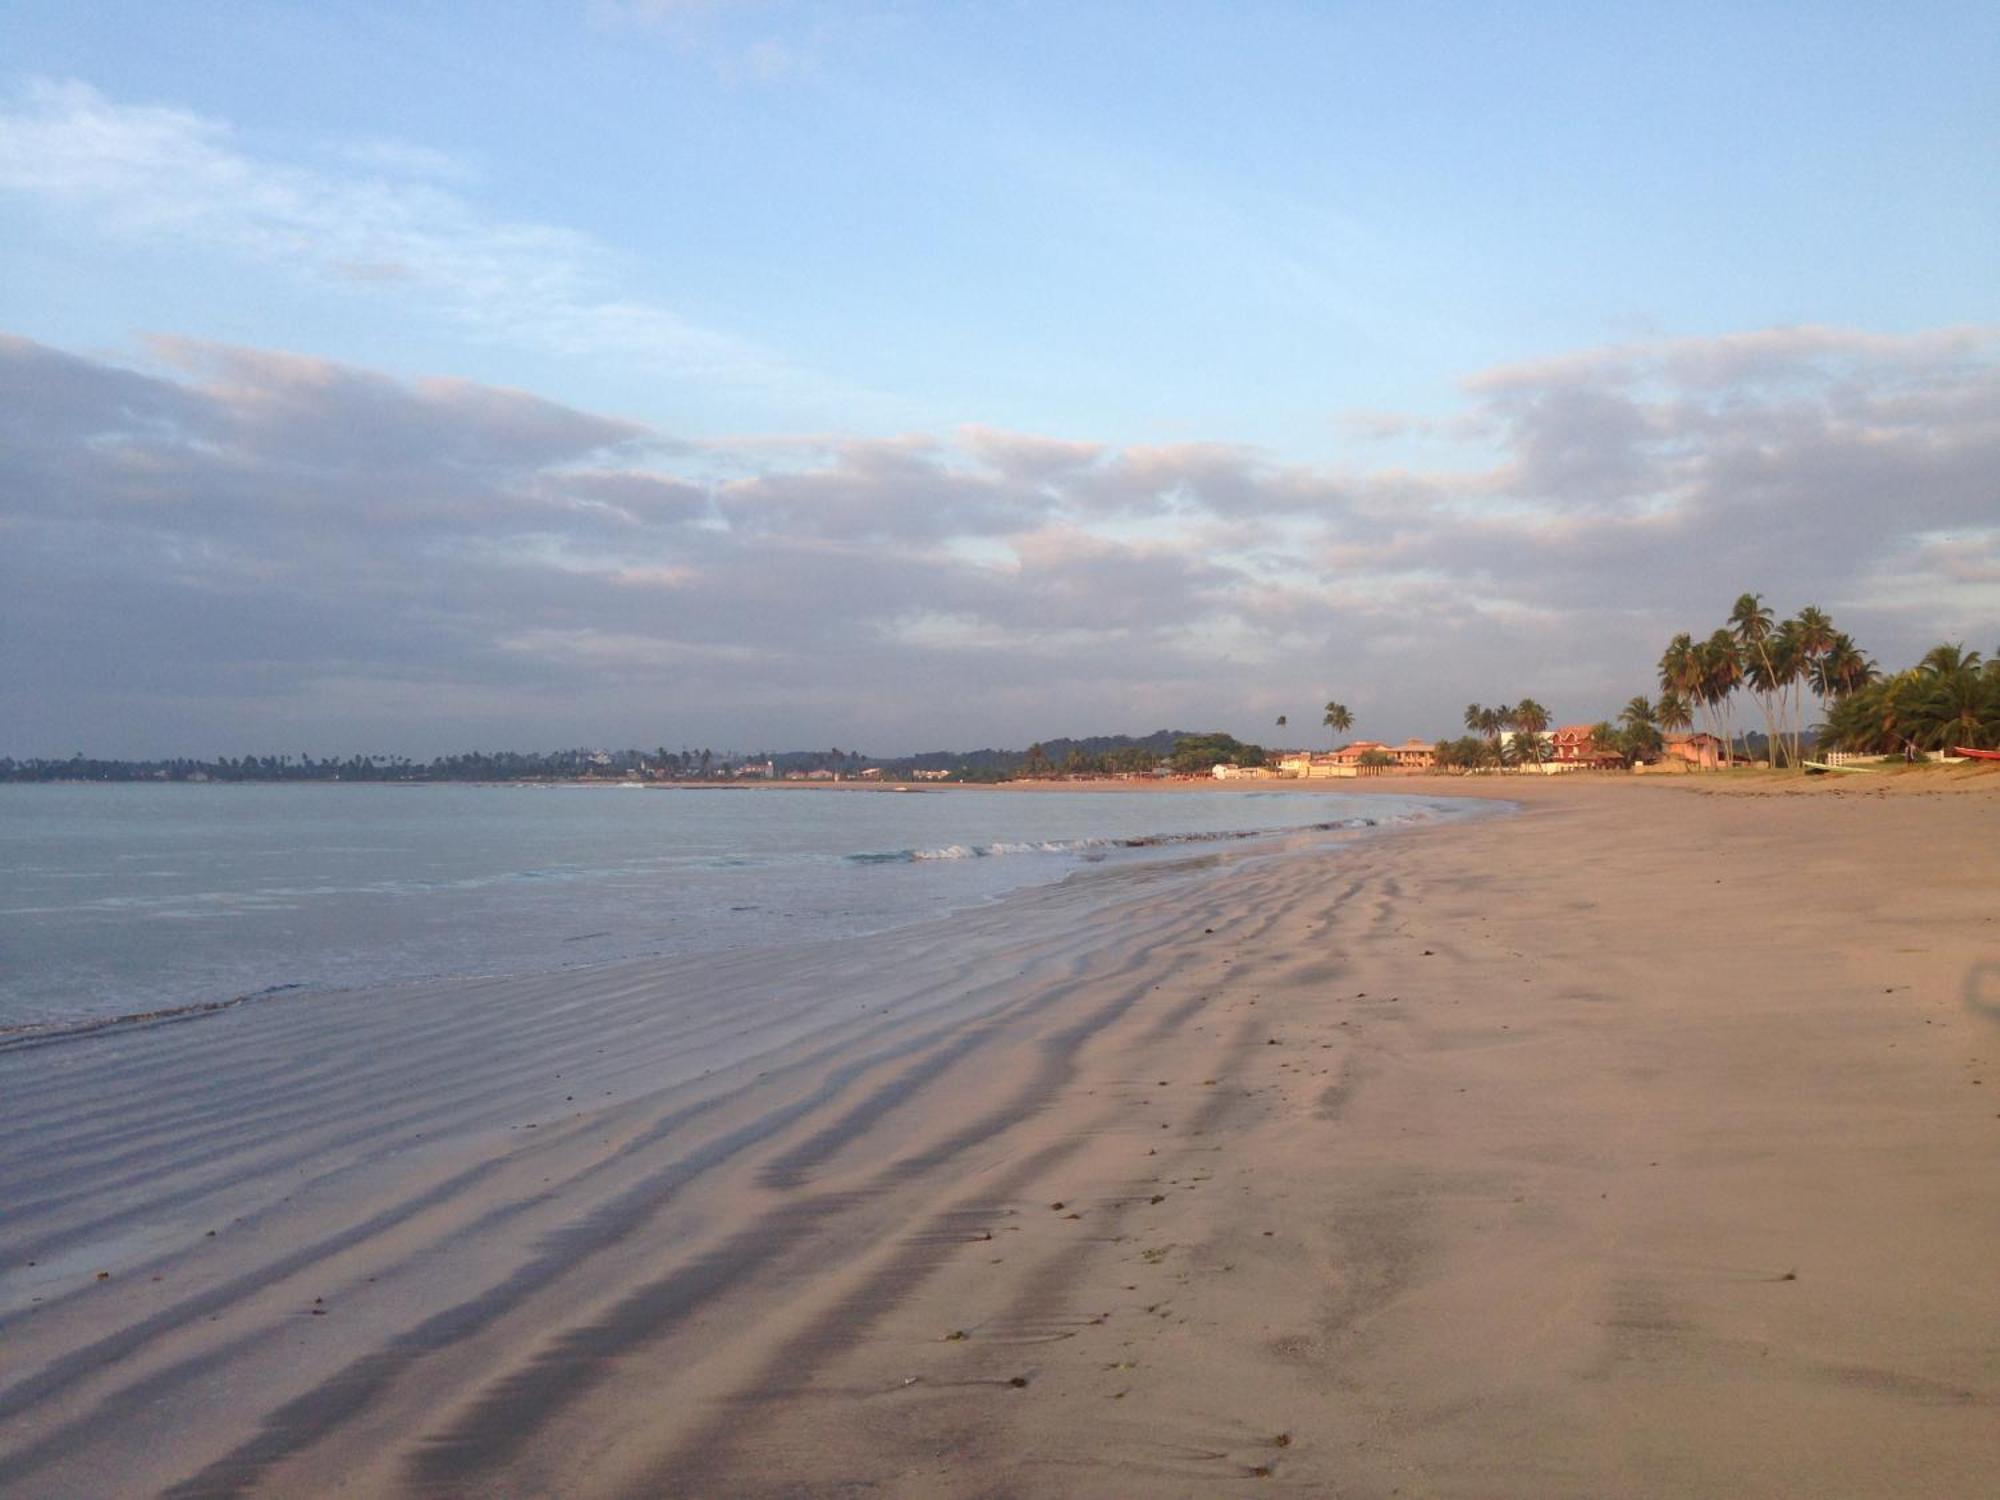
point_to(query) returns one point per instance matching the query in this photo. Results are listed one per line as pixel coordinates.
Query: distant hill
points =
(1142, 751)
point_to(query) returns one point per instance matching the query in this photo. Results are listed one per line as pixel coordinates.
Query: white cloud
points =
(149, 171)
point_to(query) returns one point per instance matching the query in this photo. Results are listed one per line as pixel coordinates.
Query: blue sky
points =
(1263, 259)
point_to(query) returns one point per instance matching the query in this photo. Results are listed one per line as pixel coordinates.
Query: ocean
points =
(126, 899)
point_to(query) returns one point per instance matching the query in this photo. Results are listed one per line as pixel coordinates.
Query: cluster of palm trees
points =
(1639, 733)
(1948, 699)
(1778, 662)
(1503, 735)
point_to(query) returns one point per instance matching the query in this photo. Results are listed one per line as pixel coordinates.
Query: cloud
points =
(732, 37)
(390, 225)
(221, 547)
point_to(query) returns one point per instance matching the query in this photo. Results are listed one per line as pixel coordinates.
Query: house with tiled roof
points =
(1576, 745)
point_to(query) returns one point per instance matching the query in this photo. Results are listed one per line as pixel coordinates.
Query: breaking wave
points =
(1089, 846)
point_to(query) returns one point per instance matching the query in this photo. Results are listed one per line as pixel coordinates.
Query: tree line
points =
(1948, 699)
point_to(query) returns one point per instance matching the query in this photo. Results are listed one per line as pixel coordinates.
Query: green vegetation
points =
(1336, 718)
(1948, 699)
(1780, 662)
(1527, 721)
(1197, 754)
(1470, 753)
(1531, 722)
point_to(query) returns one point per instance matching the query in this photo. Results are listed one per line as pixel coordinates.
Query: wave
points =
(1086, 846)
(22, 1035)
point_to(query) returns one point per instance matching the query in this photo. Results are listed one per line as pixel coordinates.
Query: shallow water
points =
(117, 899)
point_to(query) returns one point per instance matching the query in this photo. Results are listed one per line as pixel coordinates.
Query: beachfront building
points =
(1414, 755)
(1307, 765)
(1696, 752)
(1411, 755)
(1574, 747)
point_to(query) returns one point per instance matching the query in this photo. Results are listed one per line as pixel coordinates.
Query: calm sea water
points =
(116, 899)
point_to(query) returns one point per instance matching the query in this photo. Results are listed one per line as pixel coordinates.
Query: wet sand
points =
(1642, 1142)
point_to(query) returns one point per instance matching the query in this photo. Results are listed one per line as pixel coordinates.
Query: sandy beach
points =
(1635, 1140)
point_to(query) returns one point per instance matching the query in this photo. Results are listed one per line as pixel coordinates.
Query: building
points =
(1308, 765)
(1697, 752)
(1411, 755)
(1575, 747)
(1415, 755)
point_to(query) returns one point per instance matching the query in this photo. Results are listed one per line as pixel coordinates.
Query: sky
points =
(412, 378)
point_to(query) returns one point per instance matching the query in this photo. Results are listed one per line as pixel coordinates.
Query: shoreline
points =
(1074, 854)
(1620, 1146)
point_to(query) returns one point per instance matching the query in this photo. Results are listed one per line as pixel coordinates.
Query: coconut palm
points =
(1681, 674)
(1529, 719)
(1841, 669)
(1721, 674)
(1673, 713)
(1641, 734)
(1961, 708)
(1751, 621)
(1951, 698)
(1490, 723)
(1943, 660)
(1816, 632)
(1338, 719)
(1795, 649)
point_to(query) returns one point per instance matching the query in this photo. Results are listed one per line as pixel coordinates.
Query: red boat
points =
(1976, 754)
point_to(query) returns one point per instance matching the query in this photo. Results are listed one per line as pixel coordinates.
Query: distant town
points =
(1164, 755)
(1946, 706)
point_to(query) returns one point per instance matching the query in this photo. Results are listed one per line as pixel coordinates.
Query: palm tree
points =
(1950, 698)
(1491, 723)
(1281, 721)
(1791, 660)
(1606, 737)
(1943, 660)
(1721, 673)
(1480, 720)
(1673, 713)
(1751, 619)
(1841, 669)
(1681, 676)
(1752, 622)
(1962, 708)
(1641, 734)
(1816, 632)
(1529, 719)
(1338, 719)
